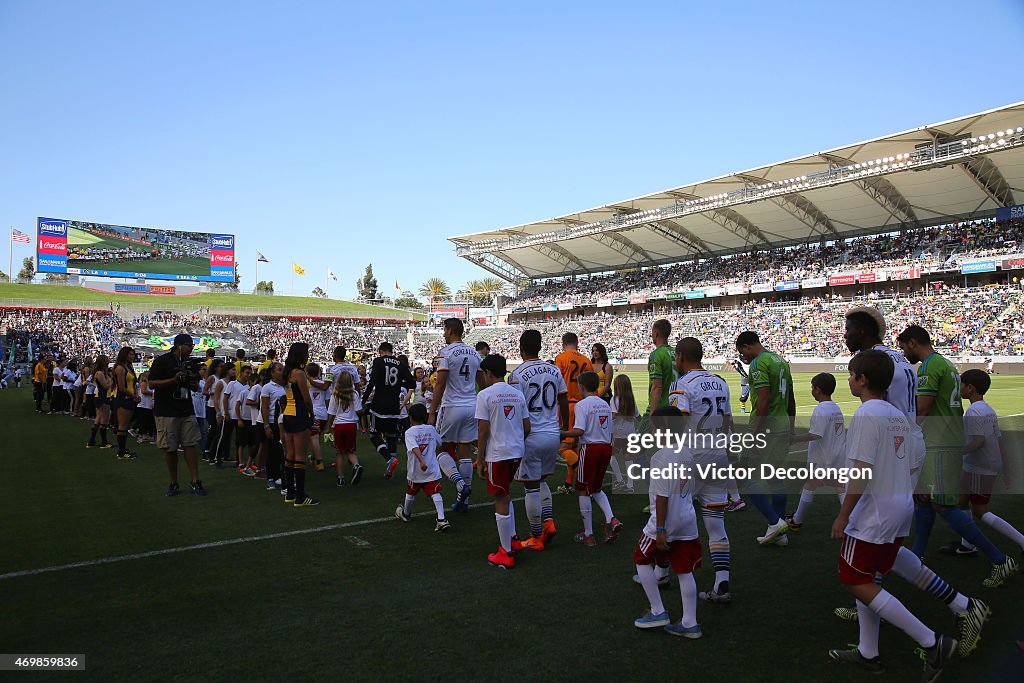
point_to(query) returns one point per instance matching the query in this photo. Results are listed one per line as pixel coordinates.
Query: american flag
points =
(19, 236)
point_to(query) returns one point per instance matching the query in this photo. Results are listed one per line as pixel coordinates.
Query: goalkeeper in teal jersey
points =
(940, 412)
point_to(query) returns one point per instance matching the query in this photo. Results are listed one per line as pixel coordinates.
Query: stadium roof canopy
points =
(929, 175)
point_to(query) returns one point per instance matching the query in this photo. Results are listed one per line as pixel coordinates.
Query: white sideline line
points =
(213, 544)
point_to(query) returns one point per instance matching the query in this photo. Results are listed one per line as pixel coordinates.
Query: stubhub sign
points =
(51, 245)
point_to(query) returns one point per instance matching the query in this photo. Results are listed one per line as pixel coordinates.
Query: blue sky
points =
(336, 134)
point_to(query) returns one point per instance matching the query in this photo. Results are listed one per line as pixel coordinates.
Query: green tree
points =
(435, 289)
(367, 285)
(28, 270)
(56, 277)
(265, 287)
(408, 302)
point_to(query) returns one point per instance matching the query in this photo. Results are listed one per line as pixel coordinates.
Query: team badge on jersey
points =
(602, 419)
(510, 411)
(897, 442)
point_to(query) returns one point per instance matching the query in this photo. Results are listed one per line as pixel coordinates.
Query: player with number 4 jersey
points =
(453, 408)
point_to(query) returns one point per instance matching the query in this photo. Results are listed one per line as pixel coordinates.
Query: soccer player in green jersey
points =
(940, 412)
(661, 366)
(772, 414)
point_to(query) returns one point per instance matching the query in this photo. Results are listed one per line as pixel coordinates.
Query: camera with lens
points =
(188, 378)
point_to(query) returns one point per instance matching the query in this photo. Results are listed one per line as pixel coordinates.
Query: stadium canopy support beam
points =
(677, 233)
(987, 175)
(882, 192)
(732, 221)
(556, 252)
(615, 240)
(800, 208)
(502, 266)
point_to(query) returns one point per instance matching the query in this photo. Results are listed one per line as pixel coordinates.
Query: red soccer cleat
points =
(535, 543)
(611, 530)
(502, 560)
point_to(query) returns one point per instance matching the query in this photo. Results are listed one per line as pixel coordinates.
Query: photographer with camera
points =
(173, 377)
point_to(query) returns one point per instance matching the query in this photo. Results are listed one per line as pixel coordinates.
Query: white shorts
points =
(457, 424)
(541, 454)
(712, 492)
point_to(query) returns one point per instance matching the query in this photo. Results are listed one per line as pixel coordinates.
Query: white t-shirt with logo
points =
(541, 384)
(231, 394)
(879, 435)
(827, 422)
(334, 372)
(342, 417)
(504, 408)
(425, 438)
(319, 397)
(981, 420)
(594, 417)
(680, 518)
(462, 362)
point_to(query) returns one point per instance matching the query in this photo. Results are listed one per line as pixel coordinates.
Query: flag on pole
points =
(19, 236)
(331, 275)
(260, 258)
(397, 287)
(297, 269)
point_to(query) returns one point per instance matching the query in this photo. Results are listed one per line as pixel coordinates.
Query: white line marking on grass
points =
(215, 544)
(358, 542)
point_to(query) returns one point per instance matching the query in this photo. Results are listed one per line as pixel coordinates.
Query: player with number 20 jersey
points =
(542, 385)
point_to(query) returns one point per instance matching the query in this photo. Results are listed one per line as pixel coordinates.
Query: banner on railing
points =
(763, 287)
(813, 283)
(638, 299)
(695, 294)
(905, 273)
(840, 280)
(604, 303)
(786, 286)
(1015, 263)
(737, 289)
(713, 291)
(875, 276)
(1010, 213)
(987, 266)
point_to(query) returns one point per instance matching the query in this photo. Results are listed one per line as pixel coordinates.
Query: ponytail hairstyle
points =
(345, 391)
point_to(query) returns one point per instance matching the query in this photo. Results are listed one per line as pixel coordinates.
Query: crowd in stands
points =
(926, 247)
(978, 322)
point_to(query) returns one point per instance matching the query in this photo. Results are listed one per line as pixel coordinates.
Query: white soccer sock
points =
(910, 567)
(806, 499)
(504, 531)
(660, 572)
(533, 511)
(546, 506)
(842, 497)
(892, 610)
(869, 623)
(1004, 527)
(734, 489)
(407, 505)
(450, 471)
(438, 505)
(466, 470)
(688, 589)
(512, 520)
(587, 513)
(650, 583)
(601, 498)
(629, 480)
(616, 470)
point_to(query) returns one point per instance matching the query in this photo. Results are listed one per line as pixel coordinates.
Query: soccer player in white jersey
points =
(452, 408)
(826, 444)
(547, 398)
(984, 456)
(341, 365)
(423, 473)
(705, 398)
(503, 424)
(865, 327)
(670, 537)
(593, 427)
(875, 512)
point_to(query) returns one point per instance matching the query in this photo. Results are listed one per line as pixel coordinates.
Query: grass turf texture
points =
(74, 297)
(389, 600)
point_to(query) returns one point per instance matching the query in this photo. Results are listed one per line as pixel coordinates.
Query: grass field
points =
(71, 297)
(346, 590)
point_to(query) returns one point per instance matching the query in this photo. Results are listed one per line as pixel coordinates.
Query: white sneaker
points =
(773, 532)
(782, 540)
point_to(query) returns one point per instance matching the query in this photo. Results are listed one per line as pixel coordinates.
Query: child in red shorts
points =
(874, 515)
(424, 473)
(592, 425)
(670, 537)
(342, 418)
